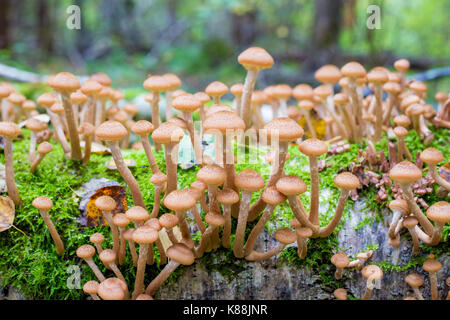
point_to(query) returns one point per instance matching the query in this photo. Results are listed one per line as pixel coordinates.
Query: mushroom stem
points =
(36, 162)
(369, 289)
(309, 123)
(226, 243)
(434, 287)
(357, 109)
(391, 101)
(378, 92)
(161, 277)
(326, 231)
(437, 178)
(435, 238)
(415, 240)
(403, 149)
(228, 161)
(171, 167)
(75, 148)
(198, 219)
(126, 173)
(314, 208)
(87, 149)
(60, 136)
(395, 218)
(132, 248)
(418, 294)
(259, 256)
(300, 214)
(13, 192)
(94, 296)
(206, 237)
(150, 257)
(249, 84)
(194, 138)
(95, 269)
(184, 228)
(142, 262)
(169, 110)
(251, 240)
(155, 115)
(302, 248)
(149, 154)
(54, 234)
(32, 152)
(238, 248)
(156, 201)
(122, 246)
(114, 231)
(116, 271)
(162, 253)
(338, 274)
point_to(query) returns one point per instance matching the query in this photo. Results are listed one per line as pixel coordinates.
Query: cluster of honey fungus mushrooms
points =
(81, 114)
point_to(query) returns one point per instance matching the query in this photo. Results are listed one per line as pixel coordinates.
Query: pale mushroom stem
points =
(226, 243)
(142, 262)
(395, 218)
(13, 192)
(122, 246)
(212, 195)
(155, 115)
(87, 149)
(302, 247)
(54, 234)
(437, 178)
(161, 277)
(198, 219)
(260, 256)
(169, 110)
(309, 123)
(391, 101)
(94, 296)
(184, 228)
(132, 248)
(195, 140)
(435, 238)
(172, 236)
(114, 231)
(5, 109)
(404, 149)
(149, 153)
(126, 173)
(434, 287)
(340, 125)
(338, 274)
(418, 294)
(238, 248)
(59, 132)
(36, 162)
(314, 208)
(72, 125)
(171, 167)
(251, 240)
(356, 109)
(228, 162)
(238, 104)
(32, 152)
(156, 201)
(249, 84)
(378, 91)
(116, 271)
(369, 289)
(95, 269)
(415, 240)
(327, 230)
(206, 238)
(300, 214)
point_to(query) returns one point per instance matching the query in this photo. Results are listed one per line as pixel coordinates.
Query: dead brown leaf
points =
(7, 213)
(93, 216)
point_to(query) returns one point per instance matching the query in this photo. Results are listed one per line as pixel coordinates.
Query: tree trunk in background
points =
(243, 28)
(4, 24)
(44, 27)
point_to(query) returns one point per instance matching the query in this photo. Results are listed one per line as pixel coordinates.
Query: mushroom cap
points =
(91, 87)
(86, 129)
(415, 109)
(97, 238)
(405, 172)
(392, 87)
(173, 81)
(111, 131)
(294, 223)
(168, 132)
(227, 196)
(372, 271)
(35, 125)
(400, 131)
(42, 203)
(216, 88)
(402, 120)
(91, 287)
(116, 95)
(149, 97)
(29, 105)
(105, 203)
(340, 294)
(57, 108)
(409, 298)
(212, 174)
(158, 178)
(347, 181)
(216, 108)
(294, 113)
(255, 57)
(313, 147)
(153, 223)
(377, 76)
(179, 200)
(323, 91)
(272, 196)
(86, 251)
(145, 235)
(285, 236)
(128, 234)
(195, 193)
(130, 108)
(224, 121)
(9, 129)
(431, 156)
(306, 104)
(328, 74)
(65, 81)
(418, 86)
(414, 280)
(101, 78)
(5, 91)
(107, 256)
(121, 220)
(177, 93)
(112, 289)
(144, 296)
(142, 127)
(137, 214)
(400, 205)
(180, 253)
(409, 100)
(303, 91)
(282, 91)
(120, 116)
(237, 89)
(286, 129)
(16, 98)
(186, 103)
(432, 265)
(249, 180)
(199, 185)
(168, 220)
(291, 185)
(401, 65)
(202, 97)
(439, 212)
(304, 232)
(259, 97)
(156, 84)
(214, 219)
(44, 148)
(178, 122)
(441, 96)
(78, 97)
(353, 70)
(410, 222)
(340, 260)
(46, 99)
(340, 99)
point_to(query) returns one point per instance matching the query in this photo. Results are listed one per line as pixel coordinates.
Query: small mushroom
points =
(214, 220)
(415, 281)
(372, 273)
(121, 221)
(91, 288)
(8, 131)
(432, 157)
(302, 235)
(378, 77)
(399, 208)
(113, 289)
(180, 201)
(109, 257)
(403, 151)
(432, 266)
(86, 252)
(410, 223)
(227, 197)
(87, 130)
(169, 221)
(42, 149)
(143, 128)
(35, 127)
(159, 180)
(284, 236)
(106, 205)
(155, 225)
(216, 89)
(97, 239)
(173, 83)
(341, 261)
(340, 294)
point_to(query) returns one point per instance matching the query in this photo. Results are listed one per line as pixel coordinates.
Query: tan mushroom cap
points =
(216, 89)
(340, 260)
(186, 103)
(431, 156)
(57, 108)
(399, 205)
(167, 132)
(78, 97)
(105, 203)
(153, 223)
(402, 120)
(101, 78)
(294, 223)
(121, 220)
(120, 116)
(144, 296)
(418, 86)
(304, 232)
(415, 109)
(249, 180)
(224, 121)
(137, 214)
(377, 76)
(47, 99)
(340, 294)
(107, 256)
(97, 238)
(91, 87)
(259, 97)
(340, 99)
(42, 203)
(294, 113)
(5, 91)
(178, 122)
(181, 253)
(145, 235)
(173, 81)
(111, 131)
(306, 104)
(44, 148)
(158, 178)
(432, 265)
(439, 212)
(272, 196)
(86, 251)
(9, 129)
(156, 84)
(86, 129)
(35, 125)
(168, 220)
(410, 222)
(285, 236)
(313, 147)
(16, 98)
(112, 289)
(227, 196)
(303, 92)
(286, 129)
(195, 193)
(282, 91)
(215, 219)
(199, 185)
(392, 87)
(130, 108)
(142, 127)
(237, 89)
(255, 57)
(323, 91)
(29, 105)
(178, 92)
(347, 181)
(91, 287)
(291, 185)
(400, 131)
(202, 97)
(414, 280)
(179, 200)
(116, 95)
(149, 97)
(217, 108)
(128, 234)
(353, 70)
(372, 271)
(409, 100)
(65, 81)
(405, 172)
(441, 96)
(401, 65)
(212, 174)
(328, 74)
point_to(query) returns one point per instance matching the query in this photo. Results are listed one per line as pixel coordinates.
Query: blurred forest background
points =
(200, 39)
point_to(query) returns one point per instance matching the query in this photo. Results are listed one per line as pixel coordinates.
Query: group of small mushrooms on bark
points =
(83, 113)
